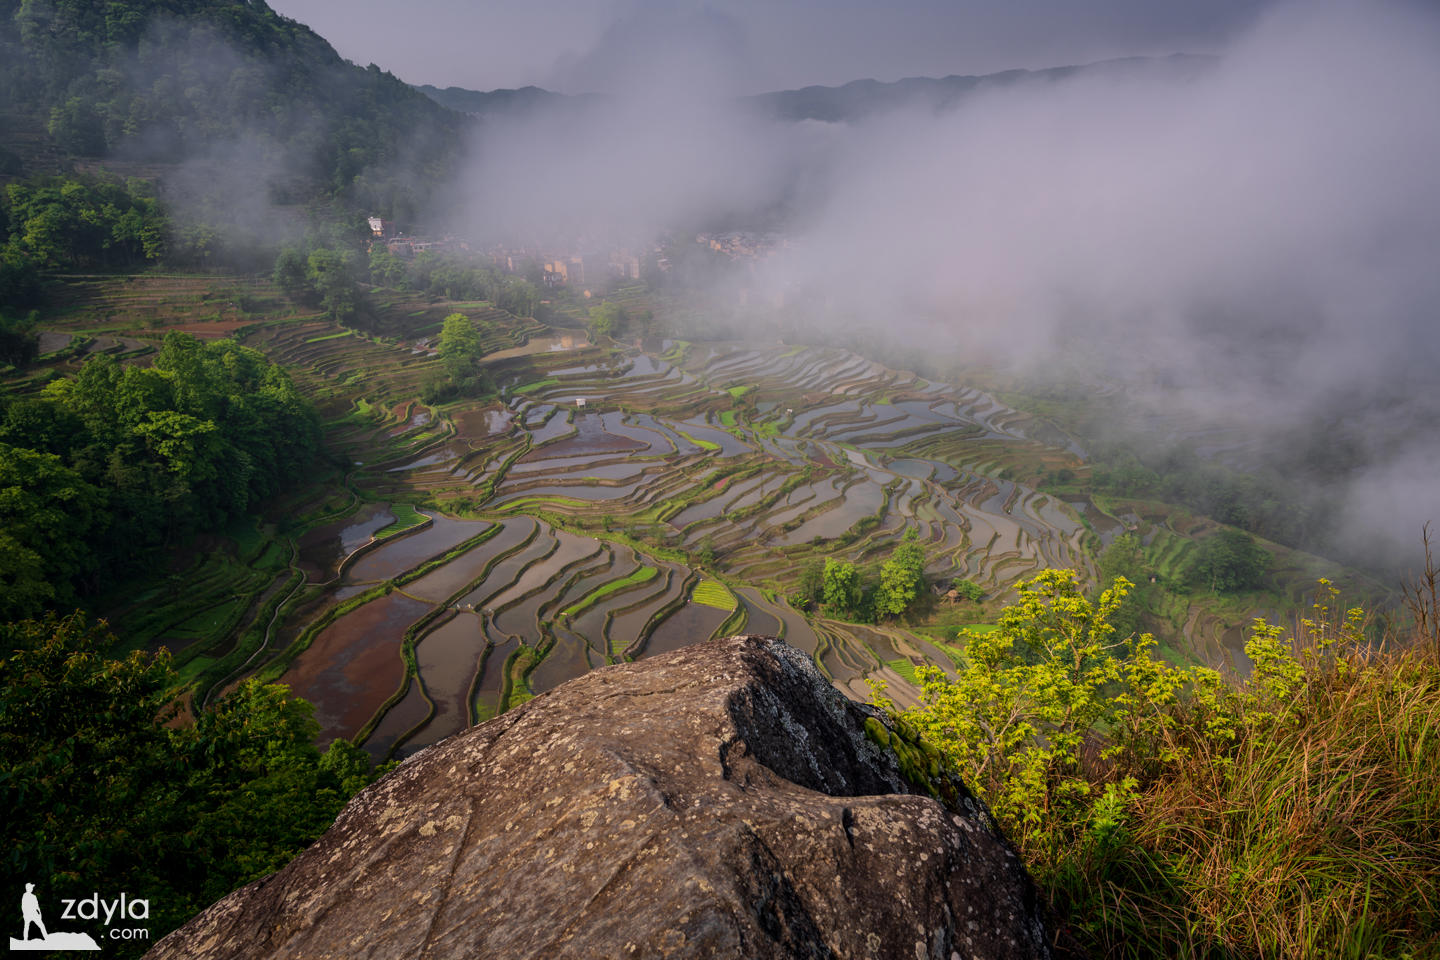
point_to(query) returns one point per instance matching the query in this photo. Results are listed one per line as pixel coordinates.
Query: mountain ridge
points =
(845, 102)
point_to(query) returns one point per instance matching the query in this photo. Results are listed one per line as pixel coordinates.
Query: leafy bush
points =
(969, 590)
(1173, 812)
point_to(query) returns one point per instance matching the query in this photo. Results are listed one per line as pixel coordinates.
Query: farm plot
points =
(749, 460)
(354, 664)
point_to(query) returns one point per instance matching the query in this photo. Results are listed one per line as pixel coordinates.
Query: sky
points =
(572, 46)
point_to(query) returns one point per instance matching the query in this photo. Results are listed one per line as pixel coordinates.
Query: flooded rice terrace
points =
(606, 488)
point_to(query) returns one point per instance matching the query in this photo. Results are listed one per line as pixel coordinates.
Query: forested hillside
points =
(160, 81)
(104, 468)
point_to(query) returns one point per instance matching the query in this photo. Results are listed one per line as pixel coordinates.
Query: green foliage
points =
(84, 223)
(968, 590)
(713, 593)
(1169, 812)
(1228, 561)
(1020, 749)
(840, 589)
(459, 347)
(116, 461)
(330, 274)
(290, 275)
(811, 586)
(19, 276)
(99, 784)
(642, 575)
(1124, 559)
(902, 577)
(162, 81)
(456, 277)
(387, 270)
(18, 342)
(1270, 503)
(47, 512)
(606, 320)
(406, 517)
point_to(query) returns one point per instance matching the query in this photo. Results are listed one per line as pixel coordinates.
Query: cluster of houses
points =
(741, 244)
(577, 271)
(558, 270)
(400, 245)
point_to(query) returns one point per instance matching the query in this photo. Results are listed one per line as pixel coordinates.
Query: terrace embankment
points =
(720, 801)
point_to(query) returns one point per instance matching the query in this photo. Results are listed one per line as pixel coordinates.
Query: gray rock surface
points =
(720, 801)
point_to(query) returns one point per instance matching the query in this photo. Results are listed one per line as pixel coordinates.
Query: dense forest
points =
(102, 470)
(161, 81)
(101, 786)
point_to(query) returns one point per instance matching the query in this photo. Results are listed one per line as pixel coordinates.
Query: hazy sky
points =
(573, 45)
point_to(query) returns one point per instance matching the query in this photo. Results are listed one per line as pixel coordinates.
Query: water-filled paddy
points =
(504, 573)
(354, 664)
(566, 660)
(692, 623)
(442, 583)
(625, 627)
(616, 459)
(322, 549)
(859, 501)
(760, 617)
(579, 490)
(397, 721)
(406, 552)
(447, 657)
(592, 437)
(569, 550)
(492, 677)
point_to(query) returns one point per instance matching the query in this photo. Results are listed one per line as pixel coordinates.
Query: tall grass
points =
(1292, 815)
(1316, 834)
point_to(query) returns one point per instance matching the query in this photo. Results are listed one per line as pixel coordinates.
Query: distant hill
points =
(861, 98)
(495, 102)
(160, 81)
(852, 101)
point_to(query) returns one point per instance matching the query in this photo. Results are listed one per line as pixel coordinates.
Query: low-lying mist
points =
(1253, 247)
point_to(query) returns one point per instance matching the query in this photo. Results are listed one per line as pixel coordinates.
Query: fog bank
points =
(1256, 244)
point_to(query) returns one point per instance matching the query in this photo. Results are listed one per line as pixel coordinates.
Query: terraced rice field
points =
(614, 503)
(761, 460)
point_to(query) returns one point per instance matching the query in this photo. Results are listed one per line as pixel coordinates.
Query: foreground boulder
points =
(720, 801)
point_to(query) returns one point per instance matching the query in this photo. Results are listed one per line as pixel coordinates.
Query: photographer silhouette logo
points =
(59, 940)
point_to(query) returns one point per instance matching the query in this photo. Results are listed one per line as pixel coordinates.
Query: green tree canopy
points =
(162, 80)
(84, 223)
(1228, 561)
(120, 459)
(902, 577)
(459, 346)
(811, 586)
(290, 276)
(841, 591)
(606, 320)
(99, 783)
(330, 273)
(1124, 559)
